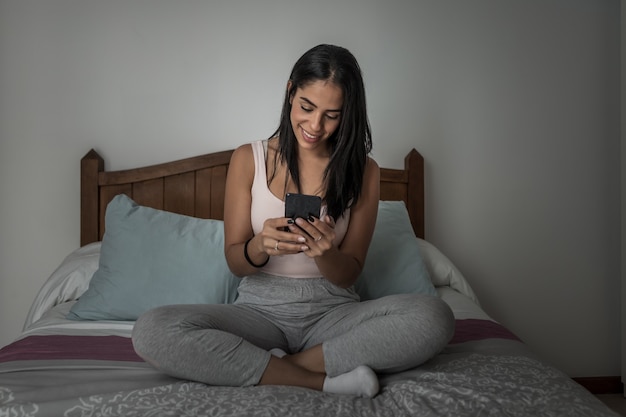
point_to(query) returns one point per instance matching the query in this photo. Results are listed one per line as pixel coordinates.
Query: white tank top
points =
(266, 205)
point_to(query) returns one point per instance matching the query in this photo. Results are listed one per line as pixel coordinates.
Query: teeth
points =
(307, 134)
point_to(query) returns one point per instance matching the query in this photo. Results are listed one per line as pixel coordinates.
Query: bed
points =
(75, 356)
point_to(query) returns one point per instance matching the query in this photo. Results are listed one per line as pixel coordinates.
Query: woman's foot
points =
(361, 381)
(278, 352)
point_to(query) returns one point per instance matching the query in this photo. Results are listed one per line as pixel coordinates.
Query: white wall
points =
(514, 105)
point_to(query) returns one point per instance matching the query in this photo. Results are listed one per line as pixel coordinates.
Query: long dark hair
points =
(350, 144)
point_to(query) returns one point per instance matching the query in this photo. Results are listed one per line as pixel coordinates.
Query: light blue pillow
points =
(151, 258)
(394, 264)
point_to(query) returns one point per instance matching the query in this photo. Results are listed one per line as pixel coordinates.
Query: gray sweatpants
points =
(222, 344)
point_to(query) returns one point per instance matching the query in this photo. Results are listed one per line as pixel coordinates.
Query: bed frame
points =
(195, 187)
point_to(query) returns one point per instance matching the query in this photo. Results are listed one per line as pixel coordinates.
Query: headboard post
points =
(90, 167)
(414, 164)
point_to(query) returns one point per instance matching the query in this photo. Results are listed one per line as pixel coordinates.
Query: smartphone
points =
(302, 205)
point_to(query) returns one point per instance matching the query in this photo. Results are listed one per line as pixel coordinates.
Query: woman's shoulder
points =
(371, 163)
(371, 168)
(247, 149)
(242, 159)
(245, 152)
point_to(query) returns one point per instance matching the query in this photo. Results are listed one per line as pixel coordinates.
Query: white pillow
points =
(442, 271)
(68, 282)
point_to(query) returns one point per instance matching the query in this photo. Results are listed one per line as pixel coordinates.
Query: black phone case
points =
(302, 205)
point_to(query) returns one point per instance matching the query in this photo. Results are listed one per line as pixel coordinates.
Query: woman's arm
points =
(238, 224)
(342, 265)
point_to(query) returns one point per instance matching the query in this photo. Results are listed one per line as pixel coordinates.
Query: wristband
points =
(245, 254)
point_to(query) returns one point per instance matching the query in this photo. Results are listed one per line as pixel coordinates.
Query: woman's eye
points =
(332, 116)
(306, 109)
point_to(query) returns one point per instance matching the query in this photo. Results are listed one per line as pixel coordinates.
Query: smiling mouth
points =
(307, 136)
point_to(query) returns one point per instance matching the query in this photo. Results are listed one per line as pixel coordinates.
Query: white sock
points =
(279, 353)
(361, 381)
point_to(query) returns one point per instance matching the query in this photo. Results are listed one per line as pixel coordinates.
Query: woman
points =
(296, 295)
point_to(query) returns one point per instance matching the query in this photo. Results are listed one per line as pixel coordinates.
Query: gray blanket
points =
(489, 377)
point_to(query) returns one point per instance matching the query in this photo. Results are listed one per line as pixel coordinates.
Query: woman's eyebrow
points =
(314, 105)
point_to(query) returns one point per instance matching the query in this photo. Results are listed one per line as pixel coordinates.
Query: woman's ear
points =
(289, 93)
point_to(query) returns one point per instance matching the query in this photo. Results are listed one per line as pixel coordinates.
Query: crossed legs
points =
(229, 345)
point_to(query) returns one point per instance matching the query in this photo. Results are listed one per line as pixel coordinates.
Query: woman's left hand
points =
(320, 234)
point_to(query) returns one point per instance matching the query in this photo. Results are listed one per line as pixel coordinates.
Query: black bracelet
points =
(245, 254)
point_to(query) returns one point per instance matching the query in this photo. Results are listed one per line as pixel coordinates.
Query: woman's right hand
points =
(277, 239)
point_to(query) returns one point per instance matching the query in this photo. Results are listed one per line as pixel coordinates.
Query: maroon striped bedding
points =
(116, 348)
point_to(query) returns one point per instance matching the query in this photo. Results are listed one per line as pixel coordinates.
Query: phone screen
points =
(302, 205)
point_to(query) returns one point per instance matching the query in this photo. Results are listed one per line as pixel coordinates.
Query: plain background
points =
(515, 106)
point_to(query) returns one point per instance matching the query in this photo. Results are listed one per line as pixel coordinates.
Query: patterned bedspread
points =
(484, 371)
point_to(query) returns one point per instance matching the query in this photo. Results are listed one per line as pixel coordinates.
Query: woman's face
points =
(316, 113)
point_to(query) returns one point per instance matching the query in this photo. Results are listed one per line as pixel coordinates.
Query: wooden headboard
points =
(195, 187)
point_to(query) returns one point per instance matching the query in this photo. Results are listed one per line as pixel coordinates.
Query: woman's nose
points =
(316, 122)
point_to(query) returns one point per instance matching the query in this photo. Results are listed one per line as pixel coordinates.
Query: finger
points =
(286, 247)
(278, 223)
(329, 221)
(325, 229)
(308, 226)
(294, 234)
